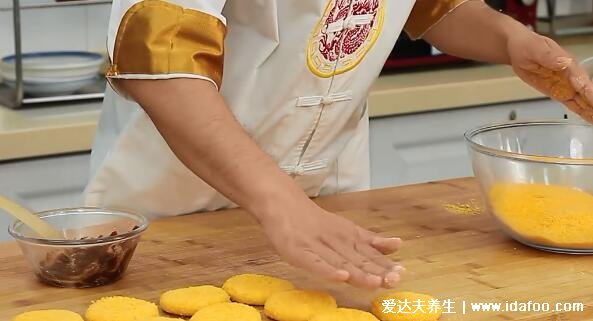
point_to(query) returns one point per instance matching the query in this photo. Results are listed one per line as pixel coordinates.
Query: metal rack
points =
(557, 26)
(16, 97)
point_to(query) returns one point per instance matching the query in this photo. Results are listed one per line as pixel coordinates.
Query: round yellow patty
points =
(48, 315)
(119, 308)
(227, 312)
(342, 314)
(298, 305)
(162, 319)
(427, 309)
(188, 301)
(254, 289)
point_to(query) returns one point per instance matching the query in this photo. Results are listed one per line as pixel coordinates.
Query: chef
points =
(289, 119)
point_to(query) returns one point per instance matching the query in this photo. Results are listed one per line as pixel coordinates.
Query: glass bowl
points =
(97, 248)
(537, 181)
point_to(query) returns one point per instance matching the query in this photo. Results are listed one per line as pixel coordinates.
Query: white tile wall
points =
(97, 18)
(63, 28)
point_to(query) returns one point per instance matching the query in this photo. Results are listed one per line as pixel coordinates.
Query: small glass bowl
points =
(97, 248)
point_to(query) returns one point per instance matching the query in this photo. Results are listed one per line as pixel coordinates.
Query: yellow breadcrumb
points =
(342, 314)
(551, 214)
(48, 315)
(298, 305)
(119, 308)
(227, 312)
(406, 306)
(471, 207)
(556, 82)
(187, 301)
(254, 289)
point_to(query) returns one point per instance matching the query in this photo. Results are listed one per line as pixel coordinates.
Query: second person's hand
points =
(333, 247)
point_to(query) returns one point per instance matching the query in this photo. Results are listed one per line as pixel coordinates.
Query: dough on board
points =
(227, 312)
(120, 308)
(48, 315)
(188, 301)
(298, 305)
(254, 289)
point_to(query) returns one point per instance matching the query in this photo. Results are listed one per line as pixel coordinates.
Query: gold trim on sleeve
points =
(427, 13)
(156, 37)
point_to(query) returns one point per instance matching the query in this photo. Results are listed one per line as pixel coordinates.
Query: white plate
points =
(54, 65)
(53, 88)
(53, 73)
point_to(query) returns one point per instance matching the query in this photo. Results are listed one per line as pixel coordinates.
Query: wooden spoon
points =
(39, 226)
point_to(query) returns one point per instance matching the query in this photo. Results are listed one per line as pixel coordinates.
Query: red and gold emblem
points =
(346, 32)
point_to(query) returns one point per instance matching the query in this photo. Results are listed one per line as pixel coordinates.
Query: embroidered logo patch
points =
(345, 33)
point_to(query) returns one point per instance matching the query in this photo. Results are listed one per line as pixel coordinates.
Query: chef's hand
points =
(543, 64)
(206, 137)
(476, 31)
(333, 247)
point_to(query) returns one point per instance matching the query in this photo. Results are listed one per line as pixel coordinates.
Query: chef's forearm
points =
(202, 132)
(475, 31)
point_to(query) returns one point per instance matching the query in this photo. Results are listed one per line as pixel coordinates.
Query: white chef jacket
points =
(296, 76)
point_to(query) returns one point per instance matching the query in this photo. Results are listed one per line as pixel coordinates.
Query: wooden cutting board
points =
(450, 256)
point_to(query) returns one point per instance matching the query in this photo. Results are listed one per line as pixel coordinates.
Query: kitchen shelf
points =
(568, 25)
(57, 4)
(93, 91)
(15, 97)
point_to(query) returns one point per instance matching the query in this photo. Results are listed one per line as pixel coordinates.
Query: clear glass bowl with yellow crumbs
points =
(537, 181)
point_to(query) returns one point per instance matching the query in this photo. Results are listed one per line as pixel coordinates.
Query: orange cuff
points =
(427, 13)
(157, 39)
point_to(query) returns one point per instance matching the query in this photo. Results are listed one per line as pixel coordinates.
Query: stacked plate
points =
(53, 73)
